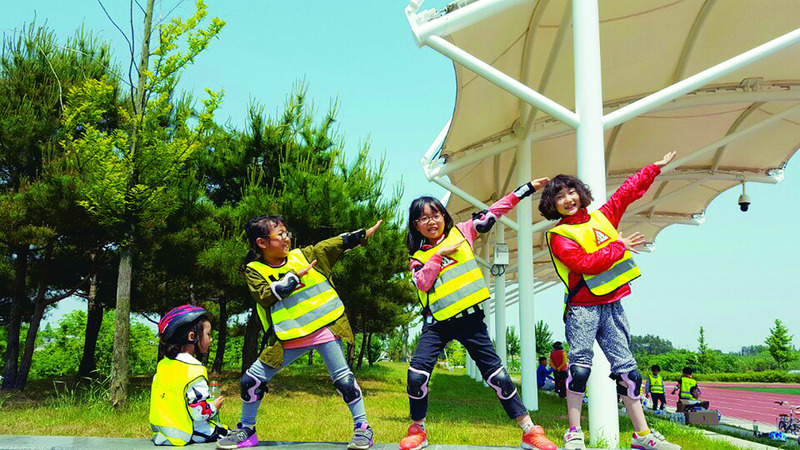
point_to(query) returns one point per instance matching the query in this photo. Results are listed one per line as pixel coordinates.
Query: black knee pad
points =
(348, 388)
(629, 384)
(501, 382)
(577, 378)
(417, 384)
(252, 389)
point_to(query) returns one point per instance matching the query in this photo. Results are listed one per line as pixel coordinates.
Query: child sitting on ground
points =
(181, 408)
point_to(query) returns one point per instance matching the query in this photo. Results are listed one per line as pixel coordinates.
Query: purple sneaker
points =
(362, 437)
(239, 437)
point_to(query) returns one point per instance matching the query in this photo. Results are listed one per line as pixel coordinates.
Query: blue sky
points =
(733, 275)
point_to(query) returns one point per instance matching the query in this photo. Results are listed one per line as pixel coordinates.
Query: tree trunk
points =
(222, 335)
(120, 366)
(250, 346)
(311, 358)
(15, 321)
(94, 320)
(363, 349)
(36, 319)
(405, 334)
(370, 356)
(351, 354)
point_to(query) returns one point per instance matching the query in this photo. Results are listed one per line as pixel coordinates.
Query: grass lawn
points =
(302, 405)
(772, 390)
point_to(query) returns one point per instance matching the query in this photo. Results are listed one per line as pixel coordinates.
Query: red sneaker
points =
(537, 440)
(416, 438)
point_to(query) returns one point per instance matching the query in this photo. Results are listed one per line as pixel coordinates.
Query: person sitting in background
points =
(685, 385)
(543, 378)
(695, 403)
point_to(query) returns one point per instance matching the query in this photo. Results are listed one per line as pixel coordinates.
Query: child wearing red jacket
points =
(595, 264)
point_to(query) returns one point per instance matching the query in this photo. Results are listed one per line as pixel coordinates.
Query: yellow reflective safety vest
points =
(170, 420)
(460, 283)
(656, 384)
(593, 235)
(312, 305)
(686, 388)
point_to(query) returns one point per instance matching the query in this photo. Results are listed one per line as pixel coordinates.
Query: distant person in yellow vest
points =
(594, 262)
(182, 410)
(300, 311)
(685, 385)
(655, 388)
(450, 286)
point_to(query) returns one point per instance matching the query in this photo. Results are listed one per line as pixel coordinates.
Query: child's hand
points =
(666, 160)
(218, 402)
(632, 241)
(539, 183)
(450, 249)
(304, 271)
(371, 230)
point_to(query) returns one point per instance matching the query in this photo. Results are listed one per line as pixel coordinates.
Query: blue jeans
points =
(333, 355)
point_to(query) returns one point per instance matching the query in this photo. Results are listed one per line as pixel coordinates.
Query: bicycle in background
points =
(789, 423)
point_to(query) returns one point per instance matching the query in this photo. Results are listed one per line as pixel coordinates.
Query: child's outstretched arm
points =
(633, 189)
(328, 252)
(483, 221)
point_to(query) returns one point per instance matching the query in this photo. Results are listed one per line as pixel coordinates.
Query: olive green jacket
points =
(327, 253)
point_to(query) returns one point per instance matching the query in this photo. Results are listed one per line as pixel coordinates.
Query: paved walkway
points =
(64, 442)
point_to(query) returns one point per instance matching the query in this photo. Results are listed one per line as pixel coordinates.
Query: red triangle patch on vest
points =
(600, 237)
(448, 261)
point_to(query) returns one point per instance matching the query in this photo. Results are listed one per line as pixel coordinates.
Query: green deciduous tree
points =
(779, 342)
(127, 173)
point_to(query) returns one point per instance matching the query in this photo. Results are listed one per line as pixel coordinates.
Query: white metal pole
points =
(500, 302)
(674, 91)
(485, 305)
(458, 19)
(502, 80)
(603, 416)
(527, 332)
(472, 200)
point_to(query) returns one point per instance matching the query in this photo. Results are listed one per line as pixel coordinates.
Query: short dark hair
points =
(688, 371)
(415, 239)
(547, 205)
(655, 368)
(542, 358)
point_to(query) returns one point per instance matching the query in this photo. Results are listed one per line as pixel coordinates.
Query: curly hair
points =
(547, 205)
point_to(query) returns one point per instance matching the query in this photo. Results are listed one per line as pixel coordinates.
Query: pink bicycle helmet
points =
(177, 317)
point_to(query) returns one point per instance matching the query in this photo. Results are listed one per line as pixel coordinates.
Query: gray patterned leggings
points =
(606, 323)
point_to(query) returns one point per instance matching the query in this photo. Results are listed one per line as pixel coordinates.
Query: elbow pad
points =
(483, 221)
(524, 191)
(353, 240)
(285, 286)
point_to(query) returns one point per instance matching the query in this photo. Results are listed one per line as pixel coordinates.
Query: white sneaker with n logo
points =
(652, 441)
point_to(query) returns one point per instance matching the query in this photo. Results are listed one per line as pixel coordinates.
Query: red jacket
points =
(575, 257)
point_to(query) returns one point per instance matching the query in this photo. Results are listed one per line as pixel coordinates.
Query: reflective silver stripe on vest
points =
(610, 274)
(459, 293)
(296, 299)
(290, 324)
(170, 432)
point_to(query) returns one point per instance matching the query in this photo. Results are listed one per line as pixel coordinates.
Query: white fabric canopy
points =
(646, 46)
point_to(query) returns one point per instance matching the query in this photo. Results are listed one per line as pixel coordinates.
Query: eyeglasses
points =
(282, 235)
(434, 218)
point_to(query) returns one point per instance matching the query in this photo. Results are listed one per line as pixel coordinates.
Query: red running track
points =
(746, 405)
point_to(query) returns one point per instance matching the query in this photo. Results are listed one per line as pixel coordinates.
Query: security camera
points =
(744, 200)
